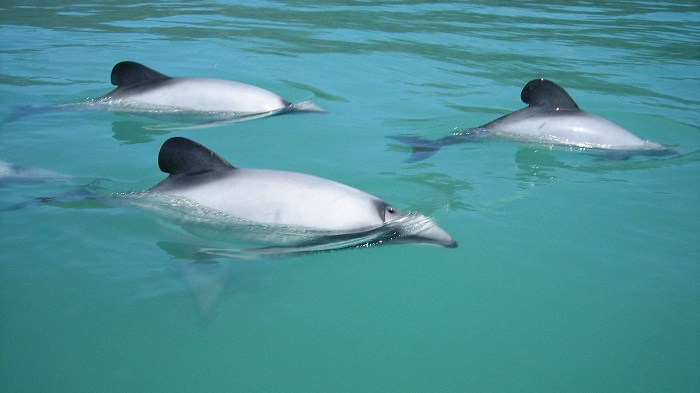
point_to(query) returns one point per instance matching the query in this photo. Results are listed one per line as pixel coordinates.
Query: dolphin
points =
(551, 117)
(328, 214)
(147, 92)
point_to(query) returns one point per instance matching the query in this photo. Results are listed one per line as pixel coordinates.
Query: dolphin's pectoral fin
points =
(206, 279)
(128, 73)
(207, 283)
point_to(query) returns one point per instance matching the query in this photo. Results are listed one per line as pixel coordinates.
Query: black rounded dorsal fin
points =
(129, 73)
(544, 93)
(184, 156)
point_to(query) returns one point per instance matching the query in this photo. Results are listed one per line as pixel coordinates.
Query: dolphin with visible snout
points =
(330, 214)
(551, 117)
(147, 92)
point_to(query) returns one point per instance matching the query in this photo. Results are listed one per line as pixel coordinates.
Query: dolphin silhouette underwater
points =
(13, 173)
(147, 92)
(313, 213)
(551, 117)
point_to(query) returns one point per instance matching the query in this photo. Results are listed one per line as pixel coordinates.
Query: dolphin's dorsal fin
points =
(182, 156)
(129, 73)
(547, 94)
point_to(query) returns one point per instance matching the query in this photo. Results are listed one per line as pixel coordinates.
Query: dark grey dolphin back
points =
(129, 73)
(182, 156)
(547, 94)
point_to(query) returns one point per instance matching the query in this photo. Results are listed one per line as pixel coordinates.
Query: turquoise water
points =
(574, 273)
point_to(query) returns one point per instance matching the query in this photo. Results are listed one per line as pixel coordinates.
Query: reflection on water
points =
(541, 162)
(131, 131)
(450, 191)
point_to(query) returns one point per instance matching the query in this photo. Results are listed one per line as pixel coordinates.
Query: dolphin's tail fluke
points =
(22, 111)
(421, 148)
(18, 112)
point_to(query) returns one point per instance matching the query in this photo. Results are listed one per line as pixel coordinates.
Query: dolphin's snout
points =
(436, 235)
(421, 229)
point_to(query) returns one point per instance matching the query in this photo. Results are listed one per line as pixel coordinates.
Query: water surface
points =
(574, 273)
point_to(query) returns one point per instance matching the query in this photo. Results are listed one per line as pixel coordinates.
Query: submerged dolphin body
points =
(305, 212)
(552, 117)
(144, 91)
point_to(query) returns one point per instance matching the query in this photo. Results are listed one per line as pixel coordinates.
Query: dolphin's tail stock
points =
(22, 111)
(91, 195)
(424, 148)
(74, 198)
(421, 148)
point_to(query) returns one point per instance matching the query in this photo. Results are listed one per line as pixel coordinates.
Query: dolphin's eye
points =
(385, 211)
